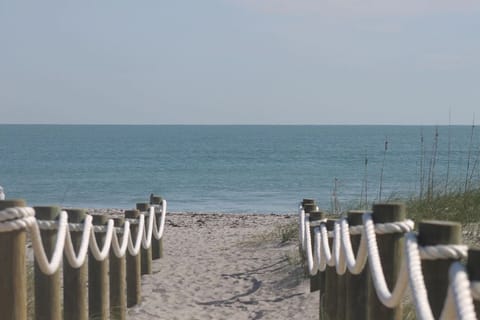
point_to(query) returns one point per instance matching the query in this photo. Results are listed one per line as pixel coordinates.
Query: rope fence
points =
(367, 264)
(102, 259)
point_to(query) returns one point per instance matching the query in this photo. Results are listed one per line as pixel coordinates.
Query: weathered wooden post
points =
(75, 301)
(157, 245)
(331, 282)
(118, 285)
(146, 253)
(309, 205)
(356, 299)
(341, 294)
(435, 272)
(47, 287)
(134, 266)
(98, 281)
(13, 273)
(473, 270)
(390, 249)
(315, 218)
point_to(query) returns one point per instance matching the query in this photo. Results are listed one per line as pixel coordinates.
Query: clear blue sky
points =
(240, 61)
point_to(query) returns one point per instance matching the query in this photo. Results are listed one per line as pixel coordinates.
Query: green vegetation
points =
(287, 232)
(281, 233)
(460, 206)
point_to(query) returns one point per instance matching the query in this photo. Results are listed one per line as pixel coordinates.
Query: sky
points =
(239, 62)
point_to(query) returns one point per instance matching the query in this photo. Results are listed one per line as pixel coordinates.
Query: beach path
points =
(226, 266)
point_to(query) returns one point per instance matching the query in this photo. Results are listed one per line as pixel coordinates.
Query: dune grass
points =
(459, 206)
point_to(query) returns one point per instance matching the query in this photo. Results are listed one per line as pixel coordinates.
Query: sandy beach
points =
(226, 266)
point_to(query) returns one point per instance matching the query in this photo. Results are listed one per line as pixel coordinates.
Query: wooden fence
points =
(88, 288)
(442, 277)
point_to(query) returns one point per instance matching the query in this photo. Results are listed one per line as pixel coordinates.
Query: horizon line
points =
(234, 124)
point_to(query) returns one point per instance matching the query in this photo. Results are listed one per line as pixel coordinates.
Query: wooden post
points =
(75, 279)
(390, 248)
(473, 269)
(435, 272)
(315, 217)
(331, 282)
(118, 285)
(134, 266)
(341, 295)
(98, 282)
(146, 253)
(13, 273)
(47, 287)
(309, 205)
(157, 245)
(356, 295)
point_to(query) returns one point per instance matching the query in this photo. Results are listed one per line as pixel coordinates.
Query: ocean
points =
(229, 168)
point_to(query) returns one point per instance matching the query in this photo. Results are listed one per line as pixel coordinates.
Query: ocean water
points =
(248, 169)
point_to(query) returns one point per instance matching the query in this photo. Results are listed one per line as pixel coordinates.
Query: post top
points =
(355, 217)
(118, 221)
(439, 232)
(132, 214)
(316, 215)
(12, 203)
(47, 212)
(99, 219)
(76, 215)
(308, 201)
(330, 224)
(389, 212)
(156, 200)
(143, 206)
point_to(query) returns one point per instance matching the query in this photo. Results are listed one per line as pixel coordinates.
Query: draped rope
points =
(319, 254)
(158, 233)
(24, 218)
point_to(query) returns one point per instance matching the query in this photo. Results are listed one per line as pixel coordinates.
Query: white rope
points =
(148, 231)
(134, 249)
(24, 218)
(459, 294)
(76, 226)
(443, 252)
(340, 265)
(394, 227)
(389, 299)
(118, 249)
(321, 261)
(415, 278)
(47, 224)
(311, 261)
(355, 264)
(158, 233)
(301, 222)
(101, 255)
(49, 267)
(355, 230)
(16, 213)
(77, 260)
(16, 218)
(327, 254)
(459, 302)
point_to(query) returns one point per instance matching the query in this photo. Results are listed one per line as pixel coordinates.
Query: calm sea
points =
(225, 168)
